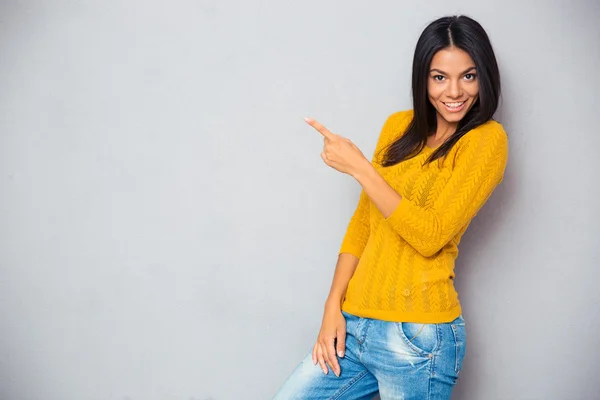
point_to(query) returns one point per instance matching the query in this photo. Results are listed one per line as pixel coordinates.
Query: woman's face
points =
(452, 84)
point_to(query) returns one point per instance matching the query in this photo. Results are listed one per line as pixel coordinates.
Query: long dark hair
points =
(468, 35)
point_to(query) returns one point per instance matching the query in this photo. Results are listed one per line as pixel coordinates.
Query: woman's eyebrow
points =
(443, 73)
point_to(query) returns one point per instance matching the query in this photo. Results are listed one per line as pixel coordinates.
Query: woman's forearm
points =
(344, 269)
(385, 198)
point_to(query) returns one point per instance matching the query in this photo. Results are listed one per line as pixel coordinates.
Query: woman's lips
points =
(455, 106)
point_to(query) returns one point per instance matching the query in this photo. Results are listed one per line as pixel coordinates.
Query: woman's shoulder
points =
(400, 119)
(490, 133)
(492, 127)
(484, 142)
(394, 126)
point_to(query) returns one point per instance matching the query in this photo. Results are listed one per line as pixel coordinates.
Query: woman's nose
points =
(455, 90)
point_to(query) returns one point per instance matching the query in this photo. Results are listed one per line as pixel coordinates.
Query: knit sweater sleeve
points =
(479, 167)
(358, 230)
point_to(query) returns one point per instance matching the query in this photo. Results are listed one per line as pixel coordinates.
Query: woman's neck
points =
(444, 128)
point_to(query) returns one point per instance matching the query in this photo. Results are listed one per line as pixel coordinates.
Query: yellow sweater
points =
(406, 267)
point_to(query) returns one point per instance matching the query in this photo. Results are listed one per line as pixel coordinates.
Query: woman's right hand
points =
(333, 327)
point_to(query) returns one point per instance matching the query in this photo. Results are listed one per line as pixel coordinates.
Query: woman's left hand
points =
(338, 152)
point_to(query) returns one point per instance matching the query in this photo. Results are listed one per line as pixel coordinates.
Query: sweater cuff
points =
(348, 248)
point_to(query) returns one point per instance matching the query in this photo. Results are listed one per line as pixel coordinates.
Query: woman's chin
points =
(452, 117)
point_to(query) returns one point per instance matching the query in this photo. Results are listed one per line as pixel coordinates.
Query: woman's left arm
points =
(479, 168)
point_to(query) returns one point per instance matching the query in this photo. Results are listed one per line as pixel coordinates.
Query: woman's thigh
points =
(416, 361)
(308, 382)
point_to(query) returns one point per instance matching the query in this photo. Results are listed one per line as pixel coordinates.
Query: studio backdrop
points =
(168, 230)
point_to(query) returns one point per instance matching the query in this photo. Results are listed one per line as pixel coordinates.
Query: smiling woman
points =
(455, 84)
(392, 322)
(452, 93)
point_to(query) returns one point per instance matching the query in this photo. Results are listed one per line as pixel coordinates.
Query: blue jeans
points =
(397, 359)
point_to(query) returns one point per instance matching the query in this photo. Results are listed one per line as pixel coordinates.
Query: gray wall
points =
(169, 231)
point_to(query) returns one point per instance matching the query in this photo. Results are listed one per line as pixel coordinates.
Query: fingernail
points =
(307, 119)
(340, 354)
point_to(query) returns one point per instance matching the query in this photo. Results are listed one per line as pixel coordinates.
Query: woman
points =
(392, 321)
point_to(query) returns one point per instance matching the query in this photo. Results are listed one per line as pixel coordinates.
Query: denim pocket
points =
(422, 339)
(460, 341)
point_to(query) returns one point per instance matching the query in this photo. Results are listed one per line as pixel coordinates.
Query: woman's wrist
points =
(333, 302)
(362, 169)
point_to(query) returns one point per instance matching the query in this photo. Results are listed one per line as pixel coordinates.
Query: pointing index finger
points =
(320, 128)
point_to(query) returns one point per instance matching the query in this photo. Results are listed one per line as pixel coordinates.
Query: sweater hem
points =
(402, 316)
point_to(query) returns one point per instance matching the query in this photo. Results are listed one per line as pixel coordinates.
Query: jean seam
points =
(454, 334)
(433, 359)
(432, 369)
(366, 327)
(438, 345)
(347, 387)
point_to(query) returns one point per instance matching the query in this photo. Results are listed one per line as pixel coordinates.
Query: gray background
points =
(169, 231)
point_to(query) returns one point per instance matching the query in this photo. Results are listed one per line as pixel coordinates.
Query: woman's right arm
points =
(333, 326)
(355, 240)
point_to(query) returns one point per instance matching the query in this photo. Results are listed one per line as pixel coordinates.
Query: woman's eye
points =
(470, 77)
(438, 78)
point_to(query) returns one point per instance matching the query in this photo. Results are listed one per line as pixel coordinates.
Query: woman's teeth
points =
(454, 105)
